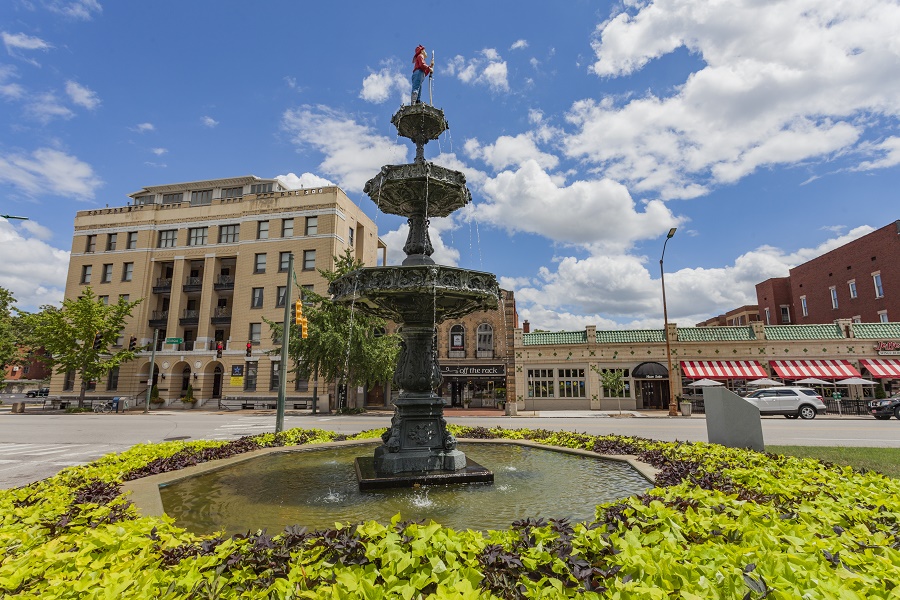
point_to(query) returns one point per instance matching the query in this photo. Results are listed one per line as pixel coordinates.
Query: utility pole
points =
(150, 376)
(285, 339)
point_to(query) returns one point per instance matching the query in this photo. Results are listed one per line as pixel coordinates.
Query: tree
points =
(9, 351)
(80, 336)
(372, 354)
(612, 379)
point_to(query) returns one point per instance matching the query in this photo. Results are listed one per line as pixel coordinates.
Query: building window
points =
(305, 290)
(768, 320)
(233, 192)
(261, 188)
(173, 198)
(279, 295)
(256, 300)
(309, 260)
(852, 285)
(312, 225)
(168, 238)
(112, 382)
(301, 385)
(104, 300)
(124, 297)
(250, 376)
(201, 198)
(611, 393)
(86, 274)
(106, 277)
(457, 339)
(69, 381)
(540, 383)
(197, 236)
(876, 279)
(485, 338)
(132, 240)
(882, 316)
(571, 383)
(834, 299)
(259, 263)
(262, 230)
(350, 237)
(91, 243)
(255, 332)
(127, 271)
(111, 241)
(785, 314)
(804, 310)
(274, 374)
(142, 200)
(228, 234)
(857, 319)
(284, 258)
(287, 228)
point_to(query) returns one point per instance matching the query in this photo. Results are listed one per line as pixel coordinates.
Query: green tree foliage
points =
(613, 381)
(372, 354)
(9, 352)
(68, 336)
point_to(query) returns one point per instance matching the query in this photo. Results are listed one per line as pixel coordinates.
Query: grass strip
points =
(883, 460)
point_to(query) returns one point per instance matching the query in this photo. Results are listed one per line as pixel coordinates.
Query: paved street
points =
(36, 445)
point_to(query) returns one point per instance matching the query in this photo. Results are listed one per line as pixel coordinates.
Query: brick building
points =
(209, 259)
(859, 281)
(28, 374)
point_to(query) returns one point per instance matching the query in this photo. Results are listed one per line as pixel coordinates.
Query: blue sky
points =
(766, 132)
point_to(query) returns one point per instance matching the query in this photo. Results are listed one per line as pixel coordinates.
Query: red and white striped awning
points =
(881, 367)
(723, 369)
(826, 369)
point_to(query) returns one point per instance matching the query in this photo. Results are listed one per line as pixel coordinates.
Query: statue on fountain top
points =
(420, 70)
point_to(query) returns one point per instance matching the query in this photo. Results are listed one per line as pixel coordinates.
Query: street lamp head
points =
(671, 233)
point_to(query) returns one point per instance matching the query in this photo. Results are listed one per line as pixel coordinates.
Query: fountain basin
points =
(226, 506)
(425, 188)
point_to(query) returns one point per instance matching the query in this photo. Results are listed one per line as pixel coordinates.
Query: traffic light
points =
(298, 312)
(98, 341)
(304, 328)
(219, 349)
(132, 344)
(249, 348)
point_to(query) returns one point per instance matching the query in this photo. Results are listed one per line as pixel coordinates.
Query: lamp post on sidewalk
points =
(673, 406)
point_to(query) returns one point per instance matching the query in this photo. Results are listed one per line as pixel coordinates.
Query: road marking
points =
(43, 450)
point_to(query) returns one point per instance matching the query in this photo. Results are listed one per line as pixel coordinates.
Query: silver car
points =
(792, 402)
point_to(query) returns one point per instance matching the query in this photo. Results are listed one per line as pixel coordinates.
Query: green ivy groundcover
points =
(720, 523)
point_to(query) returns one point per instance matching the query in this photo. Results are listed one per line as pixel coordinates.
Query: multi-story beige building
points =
(209, 259)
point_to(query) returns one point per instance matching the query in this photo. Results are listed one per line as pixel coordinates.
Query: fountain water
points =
(418, 294)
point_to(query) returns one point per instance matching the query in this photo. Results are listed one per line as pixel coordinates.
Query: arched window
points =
(457, 341)
(485, 335)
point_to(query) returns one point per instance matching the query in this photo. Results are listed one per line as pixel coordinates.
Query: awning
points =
(649, 370)
(827, 369)
(723, 369)
(882, 367)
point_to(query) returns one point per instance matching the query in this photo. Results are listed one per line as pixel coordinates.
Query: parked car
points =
(792, 402)
(886, 408)
(38, 393)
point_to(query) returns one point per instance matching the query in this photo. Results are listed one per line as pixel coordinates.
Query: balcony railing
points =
(190, 317)
(220, 316)
(159, 319)
(163, 285)
(187, 346)
(223, 283)
(193, 284)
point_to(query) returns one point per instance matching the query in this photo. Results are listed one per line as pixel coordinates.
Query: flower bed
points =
(721, 523)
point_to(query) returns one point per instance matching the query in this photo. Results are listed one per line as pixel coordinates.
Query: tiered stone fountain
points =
(418, 295)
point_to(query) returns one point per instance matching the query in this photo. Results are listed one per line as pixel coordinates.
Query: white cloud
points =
(22, 41)
(307, 180)
(37, 230)
(82, 95)
(49, 171)
(379, 86)
(10, 91)
(76, 9)
(353, 153)
(31, 269)
(209, 122)
(519, 45)
(510, 151)
(143, 127)
(889, 150)
(443, 254)
(46, 107)
(780, 83)
(488, 69)
(158, 151)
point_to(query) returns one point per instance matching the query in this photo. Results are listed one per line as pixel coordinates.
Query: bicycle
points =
(103, 408)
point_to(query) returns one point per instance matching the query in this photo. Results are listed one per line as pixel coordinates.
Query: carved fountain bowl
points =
(420, 122)
(418, 188)
(417, 293)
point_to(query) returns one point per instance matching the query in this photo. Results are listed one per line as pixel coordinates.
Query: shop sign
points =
(888, 348)
(456, 342)
(477, 371)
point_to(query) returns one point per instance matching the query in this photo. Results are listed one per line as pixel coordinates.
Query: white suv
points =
(792, 402)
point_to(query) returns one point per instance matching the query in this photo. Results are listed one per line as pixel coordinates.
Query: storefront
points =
(651, 381)
(481, 386)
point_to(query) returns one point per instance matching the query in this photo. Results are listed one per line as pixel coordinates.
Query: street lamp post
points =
(673, 406)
